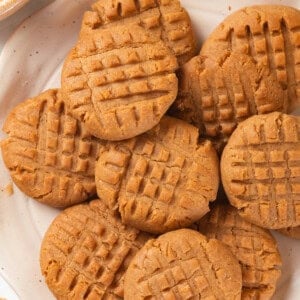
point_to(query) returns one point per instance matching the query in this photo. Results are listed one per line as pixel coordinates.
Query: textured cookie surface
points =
(249, 65)
(161, 180)
(119, 82)
(270, 35)
(165, 19)
(254, 247)
(292, 232)
(86, 251)
(260, 170)
(216, 96)
(49, 154)
(183, 264)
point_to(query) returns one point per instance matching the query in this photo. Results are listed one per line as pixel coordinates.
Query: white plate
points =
(30, 63)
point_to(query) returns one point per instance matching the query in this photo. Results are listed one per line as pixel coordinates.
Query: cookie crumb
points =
(9, 190)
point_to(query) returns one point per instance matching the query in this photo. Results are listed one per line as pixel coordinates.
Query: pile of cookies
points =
(153, 232)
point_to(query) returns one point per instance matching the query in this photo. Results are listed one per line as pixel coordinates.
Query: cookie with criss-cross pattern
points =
(249, 65)
(254, 247)
(119, 82)
(50, 155)
(119, 79)
(260, 170)
(86, 251)
(161, 180)
(269, 34)
(165, 19)
(217, 96)
(183, 264)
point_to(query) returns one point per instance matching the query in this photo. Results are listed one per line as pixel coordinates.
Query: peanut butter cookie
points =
(161, 180)
(260, 170)
(86, 251)
(183, 264)
(254, 247)
(49, 154)
(270, 35)
(165, 19)
(119, 82)
(249, 65)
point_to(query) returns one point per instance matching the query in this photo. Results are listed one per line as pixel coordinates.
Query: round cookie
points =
(254, 247)
(260, 170)
(252, 56)
(49, 154)
(161, 180)
(119, 82)
(269, 34)
(183, 264)
(215, 97)
(165, 19)
(292, 232)
(86, 251)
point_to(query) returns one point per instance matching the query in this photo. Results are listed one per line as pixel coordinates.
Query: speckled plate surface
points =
(30, 63)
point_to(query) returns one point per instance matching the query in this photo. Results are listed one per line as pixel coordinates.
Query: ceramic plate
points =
(30, 63)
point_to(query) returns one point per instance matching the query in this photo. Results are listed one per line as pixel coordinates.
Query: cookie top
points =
(217, 96)
(119, 81)
(183, 264)
(270, 35)
(254, 247)
(86, 251)
(260, 170)
(249, 65)
(292, 232)
(165, 19)
(49, 154)
(161, 180)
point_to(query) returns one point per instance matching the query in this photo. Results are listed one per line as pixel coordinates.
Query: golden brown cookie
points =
(215, 97)
(49, 154)
(161, 180)
(260, 170)
(86, 251)
(292, 232)
(183, 264)
(165, 19)
(249, 65)
(119, 81)
(120, 77)
(270, 35)
(254, 247)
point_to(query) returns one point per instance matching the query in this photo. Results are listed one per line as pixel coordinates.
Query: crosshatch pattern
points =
(271, 36)
(160, 180)
(120, 79)
(120, 82)
(182, 265)
(264, 158)
(254, 247)
(49, 154)
(86, 251)
(166, 19)
(224, 96)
